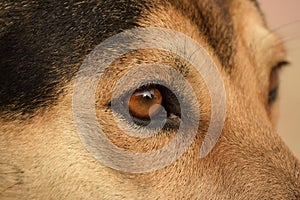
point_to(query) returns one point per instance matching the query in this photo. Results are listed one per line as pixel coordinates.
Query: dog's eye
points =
(146, 103)
(150, 103)
(274, 82)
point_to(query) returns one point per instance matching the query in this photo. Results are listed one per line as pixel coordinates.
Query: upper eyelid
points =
(130, 90)
(150, 74)
(279, 65)
(282, 64)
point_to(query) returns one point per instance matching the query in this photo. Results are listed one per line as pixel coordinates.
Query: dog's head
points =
(205, 60)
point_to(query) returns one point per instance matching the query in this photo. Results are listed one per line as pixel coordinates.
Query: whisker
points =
(286, 40)
(287, 32)
(284, 28)
(285, 25)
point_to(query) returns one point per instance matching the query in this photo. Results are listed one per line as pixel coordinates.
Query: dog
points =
(43, 46)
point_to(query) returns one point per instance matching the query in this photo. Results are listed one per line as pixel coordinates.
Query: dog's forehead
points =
(52, 39)
(218, 22)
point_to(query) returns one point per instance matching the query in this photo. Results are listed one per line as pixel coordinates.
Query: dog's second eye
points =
(145, 103)
(274, 82)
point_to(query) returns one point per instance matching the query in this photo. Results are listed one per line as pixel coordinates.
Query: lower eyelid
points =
(172, 123)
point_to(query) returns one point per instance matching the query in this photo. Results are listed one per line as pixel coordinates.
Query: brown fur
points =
(42, 157)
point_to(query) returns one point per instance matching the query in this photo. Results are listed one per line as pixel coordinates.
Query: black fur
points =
(42, 43)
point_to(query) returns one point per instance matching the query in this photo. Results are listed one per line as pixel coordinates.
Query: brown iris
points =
(145, 103)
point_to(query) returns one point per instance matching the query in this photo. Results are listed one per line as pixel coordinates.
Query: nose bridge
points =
(265, 163)
(250, 135)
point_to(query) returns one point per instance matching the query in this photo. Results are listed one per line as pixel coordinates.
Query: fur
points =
(43, 45)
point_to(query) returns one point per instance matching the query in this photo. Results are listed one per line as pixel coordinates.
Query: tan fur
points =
(43, 157)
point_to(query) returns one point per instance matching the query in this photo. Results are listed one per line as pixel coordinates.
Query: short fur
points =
(44, 43)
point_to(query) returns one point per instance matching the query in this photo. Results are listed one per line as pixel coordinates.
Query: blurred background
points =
(283, 17)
